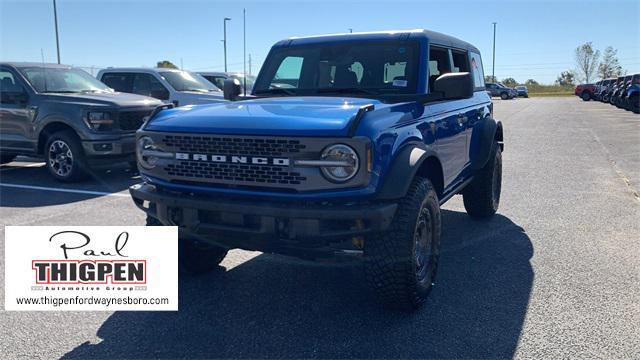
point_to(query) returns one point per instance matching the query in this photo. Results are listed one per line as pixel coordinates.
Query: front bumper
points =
(123, 145)
(304, 229)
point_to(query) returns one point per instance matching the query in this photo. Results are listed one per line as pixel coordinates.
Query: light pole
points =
(350, 30)
(225, 42)
(55, 20)
(493, 69)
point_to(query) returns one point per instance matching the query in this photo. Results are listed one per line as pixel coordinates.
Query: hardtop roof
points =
(432, 36)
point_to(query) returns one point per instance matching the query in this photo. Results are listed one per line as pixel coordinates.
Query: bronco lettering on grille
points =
(233, 159)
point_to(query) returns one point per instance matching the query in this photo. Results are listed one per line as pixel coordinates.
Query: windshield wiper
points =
(276, 91)
(347, 91)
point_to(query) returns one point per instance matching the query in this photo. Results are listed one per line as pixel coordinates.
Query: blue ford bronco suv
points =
(348, 145)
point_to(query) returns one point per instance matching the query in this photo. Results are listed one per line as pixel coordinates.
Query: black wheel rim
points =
(496, 183)
(423, 238)
(60, 158)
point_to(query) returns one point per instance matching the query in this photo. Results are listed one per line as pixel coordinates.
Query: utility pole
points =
(55, 20)
(224, 22)
(244, 50)
(493, 69)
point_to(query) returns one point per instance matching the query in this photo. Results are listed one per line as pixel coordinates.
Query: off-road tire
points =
(195, 257)
(585, 96)
(482, 196)
(78, 169)
(504, 96)
(6, 158)
(391, 262)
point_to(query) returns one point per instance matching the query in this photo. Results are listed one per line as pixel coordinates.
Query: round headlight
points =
(344, 154)
(143, 149)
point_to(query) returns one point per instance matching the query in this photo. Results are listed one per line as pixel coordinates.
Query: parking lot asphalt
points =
(555, 273)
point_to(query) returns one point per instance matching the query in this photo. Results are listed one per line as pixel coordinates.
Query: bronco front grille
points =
(247, 161)
(258, 174)
(233, 145)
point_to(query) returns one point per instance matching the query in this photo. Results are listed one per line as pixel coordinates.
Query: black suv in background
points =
(497, 89)
(68, 117)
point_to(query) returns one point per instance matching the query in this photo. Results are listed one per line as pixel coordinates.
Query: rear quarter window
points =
(476, 70)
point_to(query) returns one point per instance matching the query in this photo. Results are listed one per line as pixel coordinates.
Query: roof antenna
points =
(44, 74)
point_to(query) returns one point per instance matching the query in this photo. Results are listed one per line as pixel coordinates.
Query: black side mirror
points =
(231, 89)
(454, 85)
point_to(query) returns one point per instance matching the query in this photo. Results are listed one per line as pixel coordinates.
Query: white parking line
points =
(74, 191)
(7, 168)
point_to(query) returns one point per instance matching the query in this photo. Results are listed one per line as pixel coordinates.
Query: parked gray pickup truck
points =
(68, 117)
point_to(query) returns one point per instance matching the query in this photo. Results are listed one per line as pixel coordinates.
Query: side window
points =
(476, 70)
(148, 85)
(218, 81)
(11, 92)
(438, 63)
(122, 82)
(460, 61)
(288, 73)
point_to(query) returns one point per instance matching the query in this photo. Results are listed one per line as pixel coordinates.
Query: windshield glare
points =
(384, 67)
(187, 81)
(72, 80)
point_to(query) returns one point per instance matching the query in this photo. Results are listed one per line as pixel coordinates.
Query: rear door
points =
(449, 119)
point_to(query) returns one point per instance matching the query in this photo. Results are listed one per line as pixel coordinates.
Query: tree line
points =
(589, 67)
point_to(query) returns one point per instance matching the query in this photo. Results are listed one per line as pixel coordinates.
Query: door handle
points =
(462, 119)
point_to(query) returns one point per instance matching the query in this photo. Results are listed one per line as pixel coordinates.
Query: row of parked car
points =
(623, 92)
(76, 120)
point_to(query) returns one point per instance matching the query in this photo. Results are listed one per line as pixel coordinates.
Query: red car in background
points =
(585, 91)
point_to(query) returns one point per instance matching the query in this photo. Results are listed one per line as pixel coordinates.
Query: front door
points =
(15, 119)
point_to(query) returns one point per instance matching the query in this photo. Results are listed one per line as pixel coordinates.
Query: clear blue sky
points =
(535, 39)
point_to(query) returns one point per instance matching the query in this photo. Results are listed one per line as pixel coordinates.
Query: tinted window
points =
(460, 61)
(11, 92)
(218, 81)
(122, 82)
(438, 63)
(377, 67)
(477, 70)
(148, 85)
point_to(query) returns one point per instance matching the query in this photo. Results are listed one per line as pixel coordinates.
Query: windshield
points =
(187, 81)
(383, 67)
(63, 80)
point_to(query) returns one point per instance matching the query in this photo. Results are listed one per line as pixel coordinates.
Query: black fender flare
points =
(484, 134)
(403, 169)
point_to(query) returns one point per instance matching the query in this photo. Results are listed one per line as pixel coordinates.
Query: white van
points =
(170, 85)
